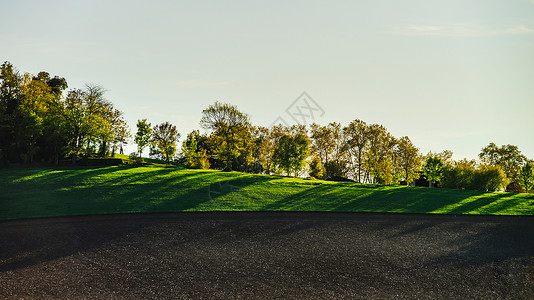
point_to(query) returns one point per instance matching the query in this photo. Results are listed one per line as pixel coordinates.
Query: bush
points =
(483, 178)
(458, 176)
(489, 178)
(135, 159)
(514, 187)
(197, 160)
(334, 169)
(316, 168)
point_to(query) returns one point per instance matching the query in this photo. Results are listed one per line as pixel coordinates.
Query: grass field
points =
(40, 192)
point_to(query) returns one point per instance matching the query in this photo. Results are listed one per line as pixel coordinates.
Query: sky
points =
(452, 74)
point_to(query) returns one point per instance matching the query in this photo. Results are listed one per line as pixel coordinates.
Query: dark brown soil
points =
(268, 255)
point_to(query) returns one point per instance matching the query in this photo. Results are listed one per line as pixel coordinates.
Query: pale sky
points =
(454, 74)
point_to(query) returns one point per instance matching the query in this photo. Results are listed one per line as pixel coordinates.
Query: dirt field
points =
(268, 255)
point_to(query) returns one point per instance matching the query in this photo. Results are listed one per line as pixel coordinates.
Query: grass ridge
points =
(45, 192)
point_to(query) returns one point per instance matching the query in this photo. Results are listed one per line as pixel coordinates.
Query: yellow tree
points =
(380, 153)
(36, 98)
(408, 159)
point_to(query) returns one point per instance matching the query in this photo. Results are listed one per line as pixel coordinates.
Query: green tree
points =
(54, 131)
(291, 152)
(269, 145)
(54, 119)
(526, 177)
(164, 137)
(433, 170)
(76, 125)
(507, 156)
(229, 128)
(143, 136)
(10, 94)
(194, 156)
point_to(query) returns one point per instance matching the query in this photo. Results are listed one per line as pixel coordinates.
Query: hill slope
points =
(121, 189)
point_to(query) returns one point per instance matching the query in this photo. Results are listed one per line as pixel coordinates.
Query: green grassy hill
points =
(40, 192)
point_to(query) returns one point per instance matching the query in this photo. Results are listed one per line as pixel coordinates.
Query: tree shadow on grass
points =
(480, 202)
(360, 199)
(65, 176)
(357, 198)
(156, 193)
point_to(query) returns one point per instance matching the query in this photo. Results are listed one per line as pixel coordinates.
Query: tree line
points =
(42, 121)
(365, 153)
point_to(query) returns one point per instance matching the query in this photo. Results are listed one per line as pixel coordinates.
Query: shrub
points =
(316, 168)
(197, 160)
(483, 178)
(514, 187)
(135, 159)
(489, 178)
(334, 169)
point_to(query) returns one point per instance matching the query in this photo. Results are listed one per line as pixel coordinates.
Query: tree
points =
(330, 147)
(291, 152)
(526, 177)
(165, 136)
(194, 156)
(143, 135)
(99, 116)
(229, 128)
(258, 150)
(445, 156)
(379, 160)
(408, 159)
(357, 142)
(10, 93)
(76, 125)
(54, 128)
(269, 145)
(54, 120)
(433, 170)
(120, 131)
(92, 122)
(507, 156)
(34, 103)
(36, 123)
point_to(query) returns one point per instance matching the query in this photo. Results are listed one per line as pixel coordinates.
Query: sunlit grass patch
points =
(43, 192)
